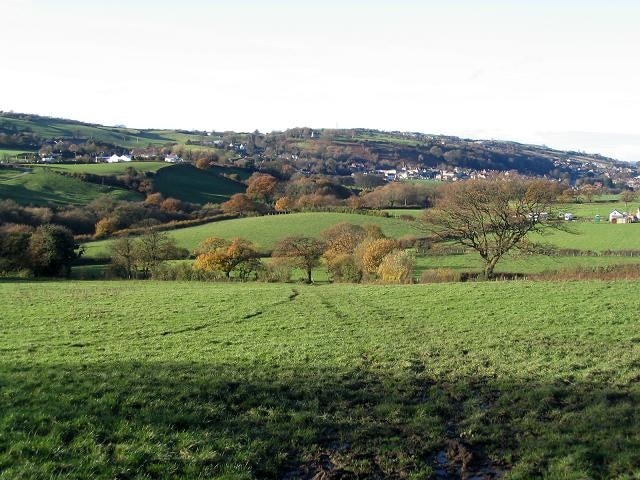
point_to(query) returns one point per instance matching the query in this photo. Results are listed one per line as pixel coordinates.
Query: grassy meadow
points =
(42, 186)
(200, 380)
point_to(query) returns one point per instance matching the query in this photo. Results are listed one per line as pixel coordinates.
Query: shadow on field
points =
(126, 420)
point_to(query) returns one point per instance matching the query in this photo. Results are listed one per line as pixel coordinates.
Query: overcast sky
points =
(561, 73)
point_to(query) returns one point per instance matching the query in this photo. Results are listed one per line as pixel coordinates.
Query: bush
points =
(343, 268)
(396, 267)
(275, 271)
(440, 275)
(369, 254)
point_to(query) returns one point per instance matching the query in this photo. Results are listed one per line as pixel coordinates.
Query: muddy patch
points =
(459, 461)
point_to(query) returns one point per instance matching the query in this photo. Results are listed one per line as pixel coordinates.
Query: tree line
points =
(350, 253)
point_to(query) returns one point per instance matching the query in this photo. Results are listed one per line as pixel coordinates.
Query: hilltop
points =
(342, 152)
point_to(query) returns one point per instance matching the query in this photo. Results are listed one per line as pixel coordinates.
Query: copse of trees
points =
(353, 253)
(47, 250)
(142, 256)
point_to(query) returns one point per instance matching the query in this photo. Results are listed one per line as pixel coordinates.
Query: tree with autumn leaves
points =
(217, 254)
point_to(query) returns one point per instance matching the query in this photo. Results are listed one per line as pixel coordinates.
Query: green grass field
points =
(525, 264)
(109, 168)
(43, 186)
(197, 380)
(194, 185)
(12, 154)
(596, 237)
(266, 231)
(587, 211)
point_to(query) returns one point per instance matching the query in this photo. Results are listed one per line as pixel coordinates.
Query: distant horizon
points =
(549, 73)
(315, 127)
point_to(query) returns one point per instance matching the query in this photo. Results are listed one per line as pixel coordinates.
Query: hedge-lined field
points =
(164, 379)
(267, 230)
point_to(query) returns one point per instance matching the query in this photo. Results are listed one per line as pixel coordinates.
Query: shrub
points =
(278, 270)
(396, 267)
(370, 253)
(440, 275)
(343, 268)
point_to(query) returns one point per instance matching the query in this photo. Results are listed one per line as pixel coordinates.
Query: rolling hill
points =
(191, 184)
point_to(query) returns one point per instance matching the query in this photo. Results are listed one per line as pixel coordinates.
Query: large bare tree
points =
(491, 216)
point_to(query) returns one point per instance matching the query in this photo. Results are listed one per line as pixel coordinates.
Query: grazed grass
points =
(270, 381)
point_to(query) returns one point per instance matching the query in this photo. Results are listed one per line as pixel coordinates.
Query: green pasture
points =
(42, 186)
(194, 185)
(108, 168)
(12, 154)
(242, 381)
(265, 231)
(525, 264)
(592, 236)
(587, 211)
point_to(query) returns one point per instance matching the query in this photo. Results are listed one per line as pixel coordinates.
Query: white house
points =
(617, 217)
(116, 159)
(173, 158)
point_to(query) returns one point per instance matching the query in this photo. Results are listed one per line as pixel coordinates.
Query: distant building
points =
(618, 217)
(118, 158)
(173, 159)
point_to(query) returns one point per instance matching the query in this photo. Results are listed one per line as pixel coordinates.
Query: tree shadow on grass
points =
(194, 420)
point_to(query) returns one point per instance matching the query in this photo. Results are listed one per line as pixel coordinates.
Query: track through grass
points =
(124, 379)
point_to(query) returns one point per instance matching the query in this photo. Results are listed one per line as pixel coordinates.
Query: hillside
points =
(43, 186)
(57, 128)
(202, 380)
(191, 184)
(327, 151)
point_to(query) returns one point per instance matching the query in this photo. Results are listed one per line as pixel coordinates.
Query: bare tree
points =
(304, 252)
(491, 216)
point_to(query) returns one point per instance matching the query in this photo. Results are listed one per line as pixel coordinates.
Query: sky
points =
(562, 73)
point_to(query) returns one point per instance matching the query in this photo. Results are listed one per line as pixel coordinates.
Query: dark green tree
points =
(51, 251)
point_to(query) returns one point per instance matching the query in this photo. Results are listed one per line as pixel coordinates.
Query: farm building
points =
(620, 217)
(173, 159)
(118, 158)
